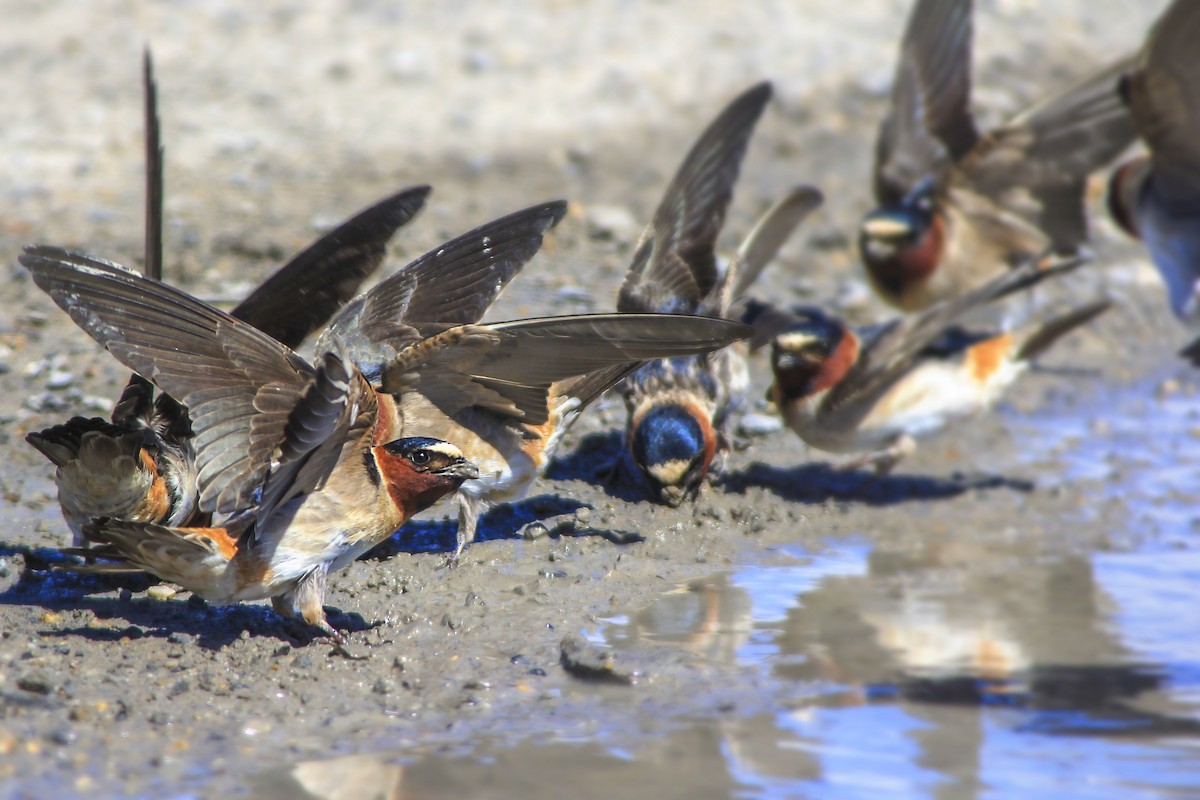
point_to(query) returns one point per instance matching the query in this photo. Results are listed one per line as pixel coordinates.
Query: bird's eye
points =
(420, 457)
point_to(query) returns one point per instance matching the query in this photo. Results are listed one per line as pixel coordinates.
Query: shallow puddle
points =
(995, 664)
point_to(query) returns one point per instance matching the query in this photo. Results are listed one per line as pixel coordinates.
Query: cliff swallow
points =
(300, 482)
(140, 464)
(1156, 198)
(508, 423)
(957, 207)
(678, 407)
(508, 417)
(511, 421)
(302, 460)
(873, 390)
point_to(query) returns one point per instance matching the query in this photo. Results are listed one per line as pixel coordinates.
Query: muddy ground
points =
(281, 119)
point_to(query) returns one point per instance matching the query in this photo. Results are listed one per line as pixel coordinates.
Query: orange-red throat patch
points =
(839, 362)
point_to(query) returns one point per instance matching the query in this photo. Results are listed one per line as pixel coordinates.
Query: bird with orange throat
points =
(956, 207)
(679, 408)
(309, 465)
(139, 465)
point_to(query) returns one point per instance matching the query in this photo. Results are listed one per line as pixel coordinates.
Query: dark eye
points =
(420, 457)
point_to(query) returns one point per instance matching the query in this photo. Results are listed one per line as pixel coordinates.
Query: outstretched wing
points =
(1038, 164)
(674, 265)
(762, 244)
(154, 172)
(509, 367)
(1163, 92)
(304, 293)
(255, 406)
(451, 285)
(928, 124)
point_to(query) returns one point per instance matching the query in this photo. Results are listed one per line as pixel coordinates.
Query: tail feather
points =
(99, 450)
(100, 560)
(191, 557)
(64, 443)
(1047, 333)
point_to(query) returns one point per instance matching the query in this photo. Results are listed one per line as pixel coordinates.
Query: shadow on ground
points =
(599, 459)
(45, 581)
(818, 482)
(502, 522)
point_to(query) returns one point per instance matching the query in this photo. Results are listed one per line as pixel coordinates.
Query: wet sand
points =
(281, 120)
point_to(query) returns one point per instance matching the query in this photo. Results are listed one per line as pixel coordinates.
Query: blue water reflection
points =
(1054, 658)
(984, 666)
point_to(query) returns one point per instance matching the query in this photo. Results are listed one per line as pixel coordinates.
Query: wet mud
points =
(1011, 566)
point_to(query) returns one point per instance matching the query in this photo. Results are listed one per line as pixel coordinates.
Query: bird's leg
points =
(308, 598)
(468, 521)
(721, 460)
(284, 606)
(888, 459)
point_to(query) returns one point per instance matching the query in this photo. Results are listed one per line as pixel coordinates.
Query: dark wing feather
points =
(675, 265)
(1164, 99)
(451, 285)
(1037, 165)
(303, 294)
(239, 384)
(555, 348)
(509, 359)
(337, 407)
(928, 124)
(586, 388)
(769, 234)
(154, 172)
(767, 321)
(672, 289)
(888, 350)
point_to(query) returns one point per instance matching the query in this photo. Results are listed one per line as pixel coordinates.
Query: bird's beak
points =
(461, 469)
(673, 495)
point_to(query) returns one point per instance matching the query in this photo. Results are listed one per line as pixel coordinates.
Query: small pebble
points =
(759, 425)
(588, 661)
(60, 379)
(535, 530)
(161, 591)
(63, 736)
(36, 683)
